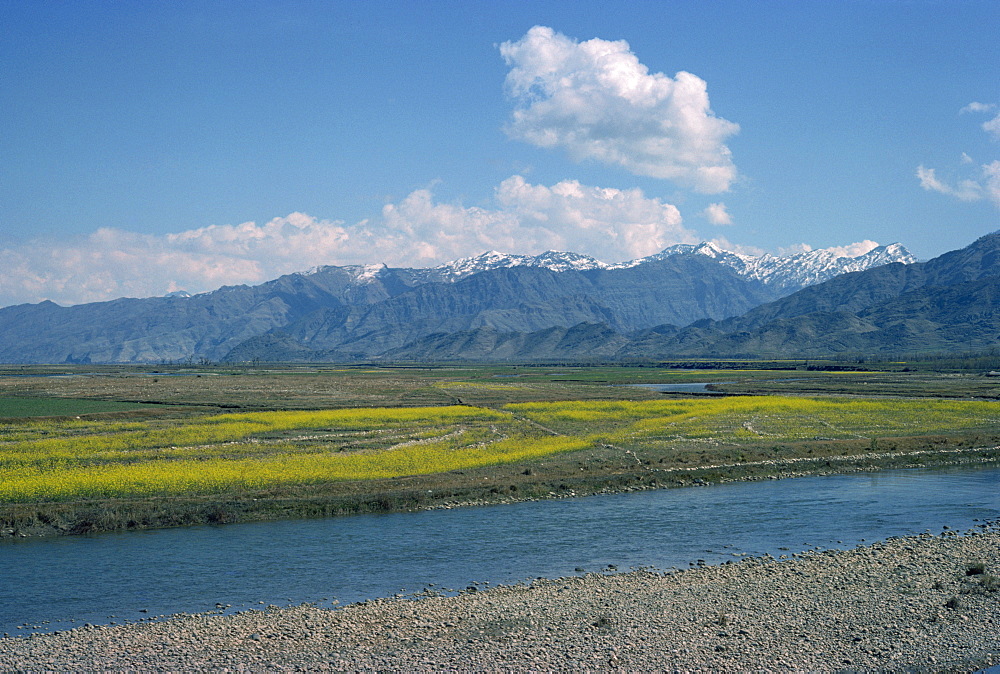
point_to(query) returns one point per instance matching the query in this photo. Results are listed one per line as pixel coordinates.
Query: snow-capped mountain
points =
(360, 272)
(792, 271)
(554, 260)
(684, 301)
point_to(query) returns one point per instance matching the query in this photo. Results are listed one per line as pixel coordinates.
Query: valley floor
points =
(602, 471)
(782, 419)
(924, 603)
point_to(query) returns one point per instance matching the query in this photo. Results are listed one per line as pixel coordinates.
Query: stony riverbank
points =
(924, 603)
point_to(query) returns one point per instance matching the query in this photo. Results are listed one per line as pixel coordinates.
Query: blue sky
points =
(153, 146)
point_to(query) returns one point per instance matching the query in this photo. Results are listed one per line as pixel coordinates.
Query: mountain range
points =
(688, 300)
(788, 272)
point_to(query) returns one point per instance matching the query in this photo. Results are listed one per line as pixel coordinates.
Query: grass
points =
(978, 581)
(755, 420)
(370, 440)
(235, 452)
(57, 407)
(229, 475)
(239, 452)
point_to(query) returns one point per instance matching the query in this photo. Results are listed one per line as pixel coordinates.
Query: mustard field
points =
(80, 459)
(759, 419)
(57, 461)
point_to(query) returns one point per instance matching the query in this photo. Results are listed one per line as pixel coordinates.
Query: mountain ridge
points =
(799, 269)
(807, 267)
(949, 303)
(945, 304)
(368, 311)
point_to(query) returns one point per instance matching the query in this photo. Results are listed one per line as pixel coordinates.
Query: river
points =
(686, 387)
(64, 582)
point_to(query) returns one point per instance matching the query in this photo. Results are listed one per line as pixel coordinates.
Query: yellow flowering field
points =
(231, 452)
(66, 460)
(760, 418)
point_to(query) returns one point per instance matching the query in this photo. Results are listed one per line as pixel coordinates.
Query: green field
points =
(12, 408)
(83, 452)
(243, 452)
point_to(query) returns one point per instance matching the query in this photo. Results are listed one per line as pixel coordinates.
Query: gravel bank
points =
(924, 603)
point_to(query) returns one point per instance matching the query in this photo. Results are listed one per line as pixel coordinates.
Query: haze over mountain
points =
(685, 301)
(791, 271)
(371, 311)
(949, 303)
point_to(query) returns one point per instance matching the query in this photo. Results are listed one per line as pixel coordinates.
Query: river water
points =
(60, 583)
(686, 387)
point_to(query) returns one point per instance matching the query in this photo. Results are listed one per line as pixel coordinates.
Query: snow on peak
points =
(784, 271)
(552, 259)
(362, 273)
(801, 269)
(368, 272)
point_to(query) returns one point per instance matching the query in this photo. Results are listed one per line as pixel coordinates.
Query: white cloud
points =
(991, 182)
(794, 249)
(597, 101)
(725, 244)
(112, 263)
(717, 214)
(992, 127)
(610, 224)
(978, 107)
(985, 183)
(964, 190)
(854, 249)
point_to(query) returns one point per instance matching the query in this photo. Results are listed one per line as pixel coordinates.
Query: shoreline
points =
(917, 603)
(520, 483)
(866, 463)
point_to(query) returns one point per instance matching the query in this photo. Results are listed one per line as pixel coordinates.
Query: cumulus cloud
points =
(855, 249)
(610, 224)
(794, 249)
(112, 263)
(596, 100)
(717, 214)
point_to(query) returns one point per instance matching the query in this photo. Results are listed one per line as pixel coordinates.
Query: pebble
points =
(880, 607)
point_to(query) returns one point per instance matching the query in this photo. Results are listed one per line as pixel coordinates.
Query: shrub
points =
(975, 569)
(990, 583)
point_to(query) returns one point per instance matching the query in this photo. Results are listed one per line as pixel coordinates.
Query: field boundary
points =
(527, 482)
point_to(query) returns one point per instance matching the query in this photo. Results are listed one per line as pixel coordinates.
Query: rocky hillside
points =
(364, 312)
(950, 303)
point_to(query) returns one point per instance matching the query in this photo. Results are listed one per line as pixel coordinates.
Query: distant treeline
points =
(983, 361)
